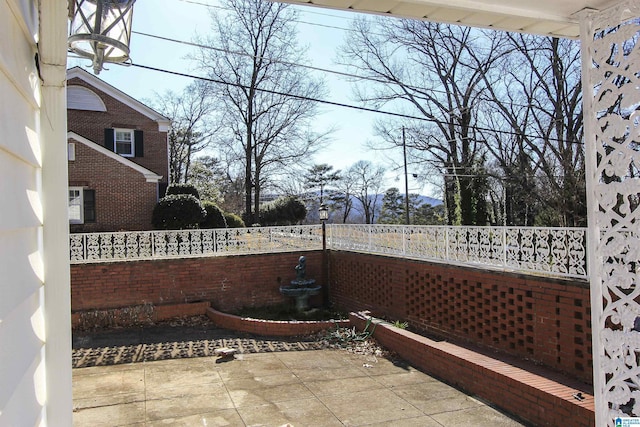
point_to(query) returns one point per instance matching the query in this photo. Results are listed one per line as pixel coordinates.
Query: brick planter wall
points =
(540, 319)
(227, 283)
(272, 327)
(536, 396)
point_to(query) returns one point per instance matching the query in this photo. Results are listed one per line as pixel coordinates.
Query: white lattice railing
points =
(553, 251)
(138, 245)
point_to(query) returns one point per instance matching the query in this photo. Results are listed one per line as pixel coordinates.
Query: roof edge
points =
(77, 72)
(150, 176)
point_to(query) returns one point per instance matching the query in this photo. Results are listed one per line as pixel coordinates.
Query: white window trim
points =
(133, 142)
(81, 193)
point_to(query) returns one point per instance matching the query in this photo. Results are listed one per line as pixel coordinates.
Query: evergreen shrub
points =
(215, 217)
(178, 212)
(174, 189)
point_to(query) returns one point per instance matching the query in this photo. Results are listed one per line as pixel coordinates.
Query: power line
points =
(337, 104)
(295, 64)
(275, 92)
(324, 70)
(235, 52)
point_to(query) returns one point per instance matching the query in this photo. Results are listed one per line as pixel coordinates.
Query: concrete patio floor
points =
(297, 388)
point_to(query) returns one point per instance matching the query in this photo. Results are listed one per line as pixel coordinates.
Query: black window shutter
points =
(89, 198)
(162, 189)
(139, 141)
(109, 139)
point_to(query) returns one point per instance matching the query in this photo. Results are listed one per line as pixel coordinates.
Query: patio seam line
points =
(392, 390)
(226, 389)
(144, 377)
(311, 391)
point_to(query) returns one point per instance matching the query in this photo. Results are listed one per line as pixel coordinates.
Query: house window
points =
(82, 205)
(76, 206)
(124, 142)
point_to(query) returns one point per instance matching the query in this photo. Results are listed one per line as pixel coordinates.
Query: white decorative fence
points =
(552, 251)
(138, 245)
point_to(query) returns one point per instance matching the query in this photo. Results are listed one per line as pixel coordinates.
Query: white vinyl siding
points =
(22, 373)
(35, 386)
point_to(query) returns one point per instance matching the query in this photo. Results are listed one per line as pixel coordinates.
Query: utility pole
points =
(406, 179)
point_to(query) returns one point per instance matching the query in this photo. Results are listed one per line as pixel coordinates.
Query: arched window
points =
(81, 98)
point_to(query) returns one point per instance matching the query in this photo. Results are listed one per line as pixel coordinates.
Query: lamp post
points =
(323, 213)
(100, 30)
(406, 178)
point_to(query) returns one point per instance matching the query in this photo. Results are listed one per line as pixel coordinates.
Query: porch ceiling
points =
(546, 17)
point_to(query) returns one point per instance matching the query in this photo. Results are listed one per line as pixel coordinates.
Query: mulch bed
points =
(194, 337)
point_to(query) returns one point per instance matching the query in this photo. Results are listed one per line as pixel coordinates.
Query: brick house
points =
(117, 156)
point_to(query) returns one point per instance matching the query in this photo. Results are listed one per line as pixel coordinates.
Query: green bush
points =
(215, 217)
(283, 211)
(233, 220)
(174, 189)
(177, 212)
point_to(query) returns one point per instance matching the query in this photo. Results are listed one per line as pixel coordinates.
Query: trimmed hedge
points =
(215, 217)
(177, 212)
(233, 220)
(174, 189)
(283, 211)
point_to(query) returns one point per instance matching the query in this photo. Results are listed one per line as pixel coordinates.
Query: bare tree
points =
(341, 200)
(192, 126)
(265, 99)
(435, 71)
(539, 96)
(368, 182)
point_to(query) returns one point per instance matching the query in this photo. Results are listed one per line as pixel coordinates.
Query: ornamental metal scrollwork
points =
(495, 247)
(76, 247)
(611, 82)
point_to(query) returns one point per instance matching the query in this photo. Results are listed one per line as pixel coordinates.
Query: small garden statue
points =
(301, 289)
(301, 268)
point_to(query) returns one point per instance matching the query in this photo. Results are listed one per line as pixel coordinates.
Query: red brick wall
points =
(91, 125)
(540, 319)
(229, 283)
(124, 199)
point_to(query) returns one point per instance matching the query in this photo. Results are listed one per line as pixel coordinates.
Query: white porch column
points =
(55, 224)
(611, 94)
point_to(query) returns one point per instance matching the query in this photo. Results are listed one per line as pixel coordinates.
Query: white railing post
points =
(504, 246)
(446, 244)
(404, 239)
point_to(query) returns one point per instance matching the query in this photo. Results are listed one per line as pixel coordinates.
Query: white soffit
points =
(556, 18)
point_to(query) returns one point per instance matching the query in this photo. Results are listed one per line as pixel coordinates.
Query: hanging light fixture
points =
(100, 30)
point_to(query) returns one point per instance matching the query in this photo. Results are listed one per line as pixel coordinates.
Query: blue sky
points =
(183, 19)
